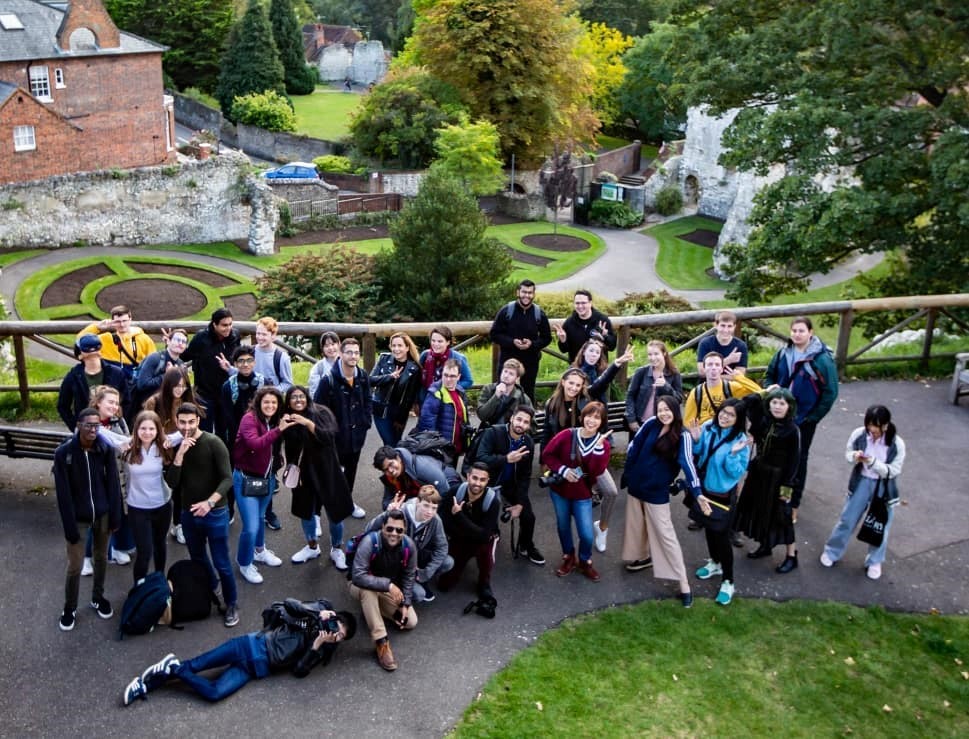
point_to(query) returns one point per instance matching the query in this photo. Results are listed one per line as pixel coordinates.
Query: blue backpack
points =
(145, 604)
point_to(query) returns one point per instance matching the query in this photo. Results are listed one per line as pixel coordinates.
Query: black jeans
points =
(149, 526)
(526, 520)
(807, 429)
(718, 542)
(349, 462)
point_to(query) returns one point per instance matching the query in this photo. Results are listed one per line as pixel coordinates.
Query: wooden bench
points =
(617, 416)
(960, 378)
(19, 441)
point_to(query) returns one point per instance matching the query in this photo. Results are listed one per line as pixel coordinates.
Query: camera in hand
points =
(550, 478)
(331, 625)
(505, 514)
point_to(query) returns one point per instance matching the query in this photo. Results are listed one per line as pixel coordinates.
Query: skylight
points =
(10, 22)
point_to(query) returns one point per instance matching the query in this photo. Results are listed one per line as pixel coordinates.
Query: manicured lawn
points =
(680, 264)
(564, 264)
(9, 257)
(757, 668)
(325, 114)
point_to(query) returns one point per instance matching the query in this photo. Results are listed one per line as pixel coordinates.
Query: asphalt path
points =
(70, 684)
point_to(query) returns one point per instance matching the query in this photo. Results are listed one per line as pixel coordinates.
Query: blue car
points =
(293, 171)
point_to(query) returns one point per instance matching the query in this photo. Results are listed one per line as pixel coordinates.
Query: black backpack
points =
(145, 604)
(429, 443)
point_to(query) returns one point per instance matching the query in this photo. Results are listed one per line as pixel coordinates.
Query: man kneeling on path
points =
(384, 568)
(295, 636)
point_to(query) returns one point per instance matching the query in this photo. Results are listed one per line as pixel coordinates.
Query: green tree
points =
(300, 79)
(251, 63)
(644, 95)
(194, 30)
(468, 152)
(865, 104)
(442, 266)
(400, 119)
(603, 47)
(631, 17)
(515, 63)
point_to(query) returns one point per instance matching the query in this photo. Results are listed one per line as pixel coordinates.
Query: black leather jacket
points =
(289, 629)
(393, 397)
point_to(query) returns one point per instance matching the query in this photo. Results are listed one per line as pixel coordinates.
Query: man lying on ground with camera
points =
(295, 636)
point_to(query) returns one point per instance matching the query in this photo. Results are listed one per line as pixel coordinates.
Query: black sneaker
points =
(428, 594)
(157, 674)
(68, 619)
(103, 606)
(639, 564)
(532, 554)
(231, 617)
(272, 521)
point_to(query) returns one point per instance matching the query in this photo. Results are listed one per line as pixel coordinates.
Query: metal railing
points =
(927, 307)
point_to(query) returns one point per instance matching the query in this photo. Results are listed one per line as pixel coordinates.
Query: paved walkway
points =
(76, 678)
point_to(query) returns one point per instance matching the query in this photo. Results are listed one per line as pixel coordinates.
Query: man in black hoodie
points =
(88, 497)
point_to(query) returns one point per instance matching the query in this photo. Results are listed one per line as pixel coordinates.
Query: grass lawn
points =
(9, 257)
(758, 668)
(564, 264)
(680, 264)
(325, 114)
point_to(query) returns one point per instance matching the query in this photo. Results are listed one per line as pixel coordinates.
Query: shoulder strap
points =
(277, 362)
(509, 310)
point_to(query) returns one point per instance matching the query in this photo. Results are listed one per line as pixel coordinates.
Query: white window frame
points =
(59, 78)
(40, 84)
(24, 138)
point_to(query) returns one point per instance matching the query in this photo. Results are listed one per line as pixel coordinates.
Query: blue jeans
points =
(244, 658)
(852, 513)
(336, 532)
(212, 529)
(253, 512)
(581, 510)
(389, 434)
(420, 587)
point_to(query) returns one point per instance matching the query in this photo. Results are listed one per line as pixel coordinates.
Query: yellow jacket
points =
(740, 386)
(137, 343)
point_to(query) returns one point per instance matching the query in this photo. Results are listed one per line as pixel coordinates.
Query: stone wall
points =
(190, 202)
(282, 147)
(196, 115)
(404, 183)
(622, 161)
(366, 62)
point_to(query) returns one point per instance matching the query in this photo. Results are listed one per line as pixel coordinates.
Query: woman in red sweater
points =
(575, 458)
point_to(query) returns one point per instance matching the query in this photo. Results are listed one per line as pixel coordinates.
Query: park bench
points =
(616, 411)
(20, 441)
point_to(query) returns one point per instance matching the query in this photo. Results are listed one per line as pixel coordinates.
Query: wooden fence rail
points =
(928, 307)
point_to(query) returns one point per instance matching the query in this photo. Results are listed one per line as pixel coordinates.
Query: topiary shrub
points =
(267, 109)
(337, 285)
(332, 163)
(644, 304)
(614, 214)
(669, 200)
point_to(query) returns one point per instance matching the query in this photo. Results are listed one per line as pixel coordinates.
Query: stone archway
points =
(691, 191)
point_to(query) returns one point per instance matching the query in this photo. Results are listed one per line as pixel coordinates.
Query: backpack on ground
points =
(145, 604)
(428, 443)
(192, 597)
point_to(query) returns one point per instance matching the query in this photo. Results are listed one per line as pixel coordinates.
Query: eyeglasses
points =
(394, 529)
(178, 340)
(89, 426)
(293, 398)
(245, 360)
(451, 375)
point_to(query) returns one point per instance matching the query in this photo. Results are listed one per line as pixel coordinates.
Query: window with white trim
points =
(40, 84)
(59, 78)
(23, 138)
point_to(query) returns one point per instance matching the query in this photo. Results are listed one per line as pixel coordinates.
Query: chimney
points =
(89, 14)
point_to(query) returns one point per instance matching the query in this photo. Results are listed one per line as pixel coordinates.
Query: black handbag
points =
(254, 487)
(720, 514)
(872, 529)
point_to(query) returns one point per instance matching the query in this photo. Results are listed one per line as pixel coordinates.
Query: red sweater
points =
(558, 453)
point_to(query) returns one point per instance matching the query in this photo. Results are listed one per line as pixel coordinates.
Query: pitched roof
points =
(37, 39)
(6, 90)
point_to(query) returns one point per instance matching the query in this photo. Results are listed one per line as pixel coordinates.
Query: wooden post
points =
(622, 342)
(369, 351)
(927, 341)
(495, 357)
(21, 357)
(844, 337)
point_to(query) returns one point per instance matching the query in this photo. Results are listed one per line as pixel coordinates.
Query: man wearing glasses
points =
(88, 497)
(153, 368)
(585, 323)
(384, 568)
(75, 392)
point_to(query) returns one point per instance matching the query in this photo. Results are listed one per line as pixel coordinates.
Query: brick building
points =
(77, 94)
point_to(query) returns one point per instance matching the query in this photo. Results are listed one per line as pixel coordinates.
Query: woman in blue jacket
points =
(722, 452)
(660, 449)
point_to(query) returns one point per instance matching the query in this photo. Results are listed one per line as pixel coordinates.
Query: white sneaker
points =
(874, 571)
(120, 558)
(305, 554)
(251, 574)
(358, 512)
(87, 568)
(600, 537)
(267, 557)
(319, 527)
(339, 559)
(826, 561)
(177, 534)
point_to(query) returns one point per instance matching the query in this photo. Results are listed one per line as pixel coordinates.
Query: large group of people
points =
(158, 451)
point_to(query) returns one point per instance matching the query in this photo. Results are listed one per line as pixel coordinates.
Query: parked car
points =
(293, 171)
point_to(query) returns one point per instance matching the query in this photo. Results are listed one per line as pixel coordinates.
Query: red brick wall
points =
(58, 142)
(116, 100)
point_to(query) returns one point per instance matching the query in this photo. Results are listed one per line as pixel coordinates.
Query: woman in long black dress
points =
(309, 444)
(764, 512)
